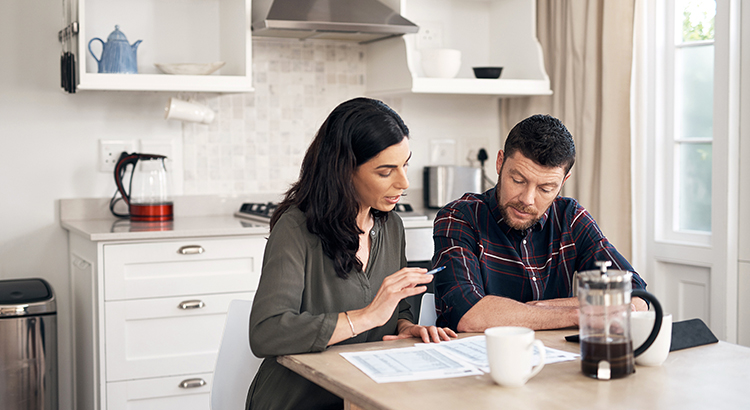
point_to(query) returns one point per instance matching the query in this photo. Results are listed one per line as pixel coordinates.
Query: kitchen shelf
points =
(488, 33)
(164, 82)
(173, 31)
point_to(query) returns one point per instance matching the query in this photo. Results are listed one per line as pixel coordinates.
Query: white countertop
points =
(90, 219)
(181, 227)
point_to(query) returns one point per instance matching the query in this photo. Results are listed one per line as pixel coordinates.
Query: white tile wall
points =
(257, 141)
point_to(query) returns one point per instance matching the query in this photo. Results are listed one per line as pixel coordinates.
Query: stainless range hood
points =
(355, 20)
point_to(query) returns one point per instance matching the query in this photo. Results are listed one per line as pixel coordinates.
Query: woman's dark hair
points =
(355, 132)
(544, 140)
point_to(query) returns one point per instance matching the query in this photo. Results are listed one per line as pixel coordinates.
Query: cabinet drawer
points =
(157, 337)
(161, 393)
(173, 268)
(419, 244)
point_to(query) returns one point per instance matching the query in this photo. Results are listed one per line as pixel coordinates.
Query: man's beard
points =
(521, 227)
(517, 205)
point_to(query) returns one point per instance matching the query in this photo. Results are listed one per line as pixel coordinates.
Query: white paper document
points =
(456, 358)
(408, 363)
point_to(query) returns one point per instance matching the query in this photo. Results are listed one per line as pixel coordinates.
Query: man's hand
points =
(493, 311)
(637, 304)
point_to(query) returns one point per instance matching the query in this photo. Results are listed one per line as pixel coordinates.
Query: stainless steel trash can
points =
(28, 345)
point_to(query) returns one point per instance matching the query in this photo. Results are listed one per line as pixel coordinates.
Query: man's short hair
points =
(544, 140)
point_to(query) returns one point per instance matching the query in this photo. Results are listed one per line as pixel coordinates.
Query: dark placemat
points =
(691, 333)
(685, 334)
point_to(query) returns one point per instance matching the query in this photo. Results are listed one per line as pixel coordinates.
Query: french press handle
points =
(657, 320)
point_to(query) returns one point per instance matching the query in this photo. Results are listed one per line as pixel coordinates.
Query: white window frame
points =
(667, 177)
(664, 257)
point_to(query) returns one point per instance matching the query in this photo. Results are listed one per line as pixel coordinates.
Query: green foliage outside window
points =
(698, 20)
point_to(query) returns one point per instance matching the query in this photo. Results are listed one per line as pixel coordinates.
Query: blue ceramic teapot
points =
(117, 55)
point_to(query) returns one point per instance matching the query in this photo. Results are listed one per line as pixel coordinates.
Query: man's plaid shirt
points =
(484, 256)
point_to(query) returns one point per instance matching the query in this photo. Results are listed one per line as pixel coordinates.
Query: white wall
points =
(48, 151)
(48, 146)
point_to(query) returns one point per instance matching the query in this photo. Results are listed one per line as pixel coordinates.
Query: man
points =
(511, 254)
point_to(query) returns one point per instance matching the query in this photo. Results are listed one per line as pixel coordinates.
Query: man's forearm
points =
(499, 311)
(560, 302)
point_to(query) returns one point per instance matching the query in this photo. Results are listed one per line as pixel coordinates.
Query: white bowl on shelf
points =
(441, 62)
(189, 68)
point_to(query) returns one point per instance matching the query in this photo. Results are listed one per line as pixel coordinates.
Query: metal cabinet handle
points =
(192, 383)
(191, 250)
(191, 304)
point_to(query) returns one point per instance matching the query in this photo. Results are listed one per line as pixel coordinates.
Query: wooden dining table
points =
(714, 376)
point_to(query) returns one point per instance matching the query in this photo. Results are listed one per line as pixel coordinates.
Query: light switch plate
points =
(443, 152)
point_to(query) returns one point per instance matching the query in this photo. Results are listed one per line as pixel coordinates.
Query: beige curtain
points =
(588, 47)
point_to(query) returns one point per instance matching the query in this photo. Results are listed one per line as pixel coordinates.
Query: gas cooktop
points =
(262, 212)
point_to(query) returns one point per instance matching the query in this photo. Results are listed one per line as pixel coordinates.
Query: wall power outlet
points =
(430, 35)
(110, 150)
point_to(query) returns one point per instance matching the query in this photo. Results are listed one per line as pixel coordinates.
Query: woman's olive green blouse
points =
(298, 301)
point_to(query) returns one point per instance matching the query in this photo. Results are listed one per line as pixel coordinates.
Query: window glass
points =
(695, 187)
(697, 66)
(694, 79)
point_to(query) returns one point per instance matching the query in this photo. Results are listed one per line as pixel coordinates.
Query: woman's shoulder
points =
(292, 219)
(292, 228)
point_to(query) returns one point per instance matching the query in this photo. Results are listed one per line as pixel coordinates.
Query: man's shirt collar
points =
(498, 216)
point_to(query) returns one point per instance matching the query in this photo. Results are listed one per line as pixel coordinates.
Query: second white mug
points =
(177, 109)
(510, 351)
(641, 324)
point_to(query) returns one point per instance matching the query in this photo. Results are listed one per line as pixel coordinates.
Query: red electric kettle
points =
(147, 196)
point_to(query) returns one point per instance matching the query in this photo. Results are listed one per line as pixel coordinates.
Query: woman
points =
(328, 268)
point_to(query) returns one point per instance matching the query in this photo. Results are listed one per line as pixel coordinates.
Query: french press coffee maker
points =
(147, 195)
(606, 344)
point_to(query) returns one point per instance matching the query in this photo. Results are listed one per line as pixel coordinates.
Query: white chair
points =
(235, 364)
(427, 315)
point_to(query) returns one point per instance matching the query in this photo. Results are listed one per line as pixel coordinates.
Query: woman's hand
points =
(402, 284)
(428, 334)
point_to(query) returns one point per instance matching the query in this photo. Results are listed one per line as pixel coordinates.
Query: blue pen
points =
(434, 271)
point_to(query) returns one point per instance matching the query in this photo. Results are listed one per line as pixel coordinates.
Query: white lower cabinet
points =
(154, 337)
(163, 393)
(149, 317)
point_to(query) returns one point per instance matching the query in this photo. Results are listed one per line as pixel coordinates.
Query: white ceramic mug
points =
(510, 351)
(177, 109)
(641, 324)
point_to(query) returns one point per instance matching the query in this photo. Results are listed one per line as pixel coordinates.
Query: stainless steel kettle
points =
(443, 184)
(147, 196)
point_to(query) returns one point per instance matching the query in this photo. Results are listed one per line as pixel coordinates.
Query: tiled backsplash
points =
(257, 141)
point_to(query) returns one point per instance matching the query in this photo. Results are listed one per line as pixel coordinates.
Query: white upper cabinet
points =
(487, 32)
(172, 32)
